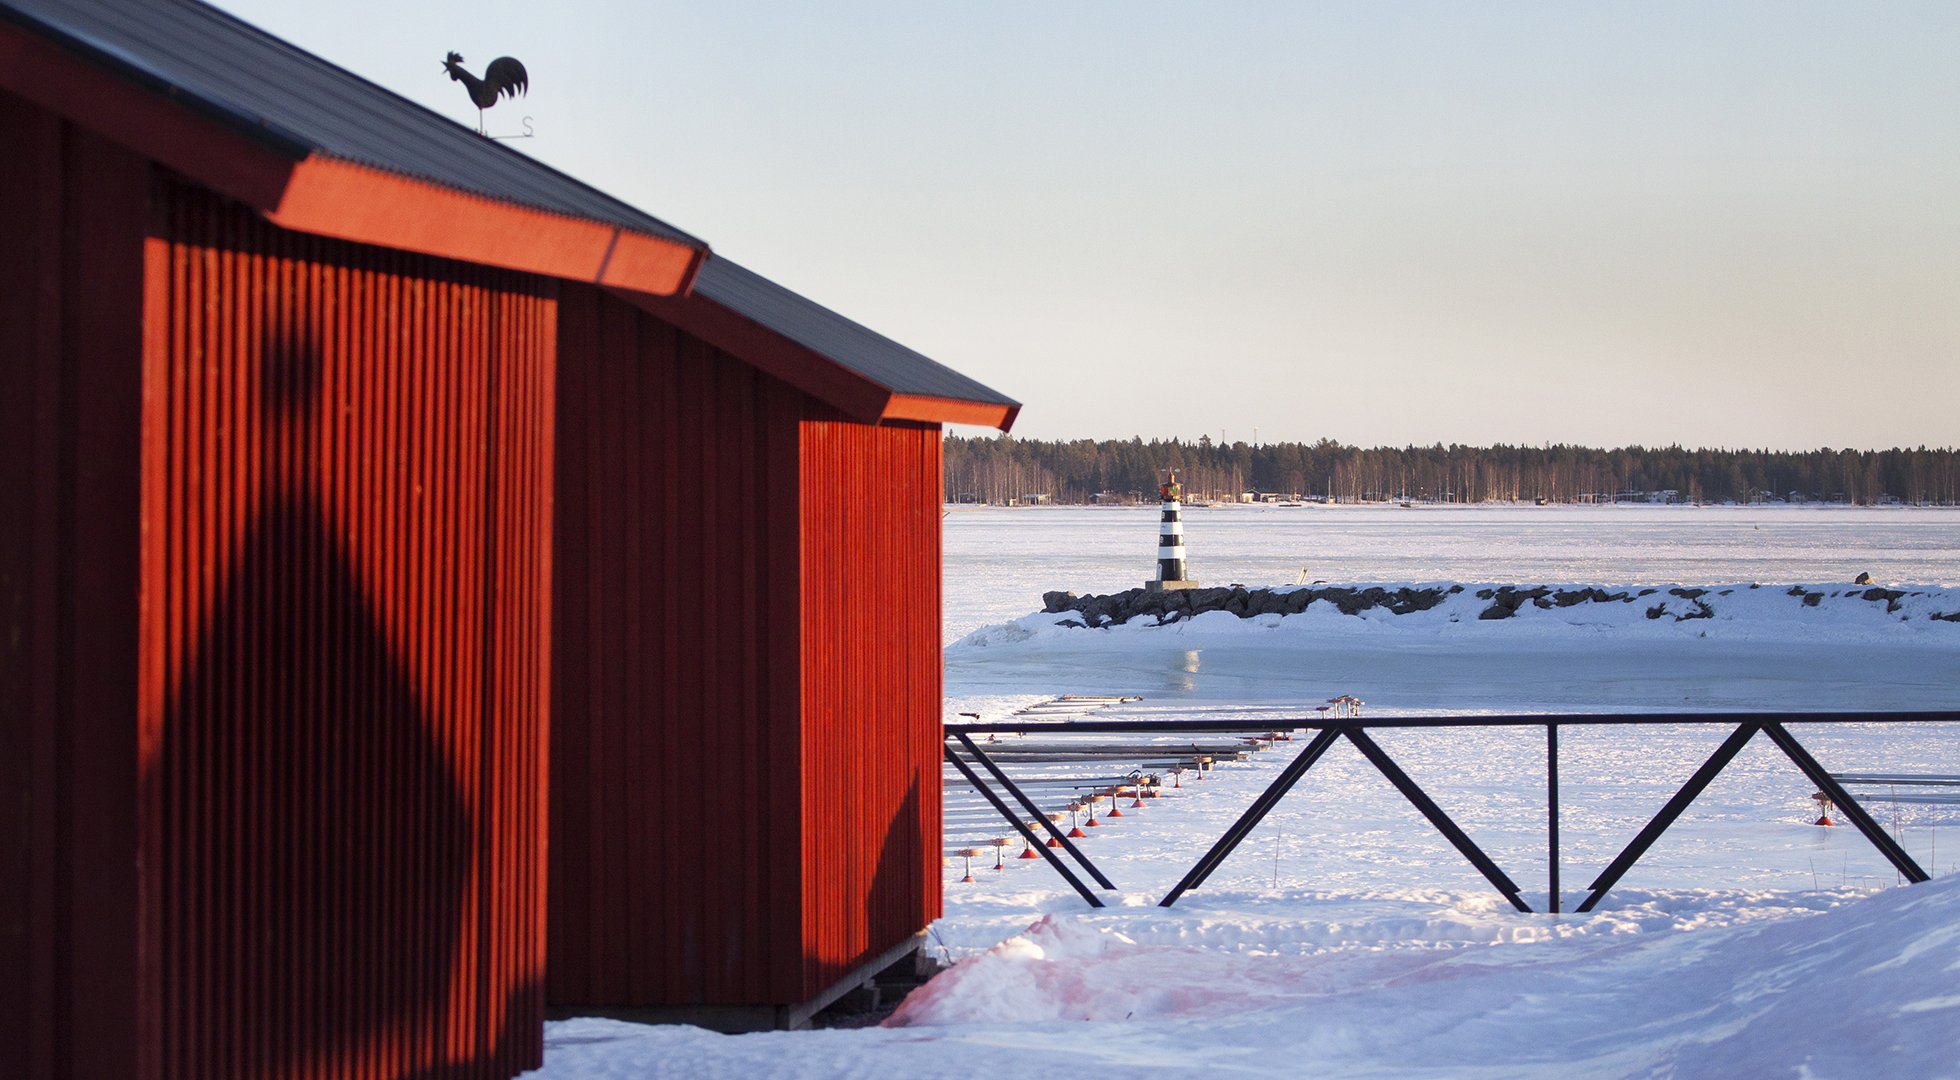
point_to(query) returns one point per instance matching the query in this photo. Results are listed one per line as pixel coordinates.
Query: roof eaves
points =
(951, 411)
(119, 61)
(904, 372)
(328, 196)
(299, 187)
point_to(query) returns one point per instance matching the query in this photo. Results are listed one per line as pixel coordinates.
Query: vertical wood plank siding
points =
(349, 466)
(674, 852)
(73, 1000)
(274, 615)
(871, 688)
(746, 694)
(348, 457)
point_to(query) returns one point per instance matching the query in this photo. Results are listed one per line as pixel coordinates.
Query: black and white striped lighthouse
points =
(1170, 536)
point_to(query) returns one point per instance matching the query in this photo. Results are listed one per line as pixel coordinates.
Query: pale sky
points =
(1384, 223)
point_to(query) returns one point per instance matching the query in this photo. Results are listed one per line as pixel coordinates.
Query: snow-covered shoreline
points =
(1000, 562)
(1721, 647)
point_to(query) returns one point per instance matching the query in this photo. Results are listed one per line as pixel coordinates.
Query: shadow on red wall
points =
(316, 850)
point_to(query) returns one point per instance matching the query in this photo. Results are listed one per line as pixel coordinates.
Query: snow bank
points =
(1865, 989)
(1863, 986)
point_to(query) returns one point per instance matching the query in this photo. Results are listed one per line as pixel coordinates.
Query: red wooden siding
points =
(871, 689)
(745, 799)
(274, 558)
(72, 1002)
(674, 854)
(348, 483)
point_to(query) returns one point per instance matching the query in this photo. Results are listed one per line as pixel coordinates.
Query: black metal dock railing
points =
(963, 753)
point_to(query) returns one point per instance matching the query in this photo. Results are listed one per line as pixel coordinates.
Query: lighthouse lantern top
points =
(1168, 488)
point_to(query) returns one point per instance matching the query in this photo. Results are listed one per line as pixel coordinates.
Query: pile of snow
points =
(1863, 986)
(1866, 989)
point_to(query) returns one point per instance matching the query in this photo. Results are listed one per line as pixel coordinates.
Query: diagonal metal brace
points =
(1021, 827)
(1253, 815)
(1696, 784)
(1420, 799)
(1855, 813)
(1034, 812)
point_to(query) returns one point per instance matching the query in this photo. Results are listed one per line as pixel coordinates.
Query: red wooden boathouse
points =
(340, 462)
(746, 706)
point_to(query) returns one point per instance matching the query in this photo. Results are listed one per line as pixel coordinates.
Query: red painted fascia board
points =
(950, 411)
(331, 197)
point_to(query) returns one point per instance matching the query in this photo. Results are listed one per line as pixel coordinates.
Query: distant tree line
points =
(1004, 469)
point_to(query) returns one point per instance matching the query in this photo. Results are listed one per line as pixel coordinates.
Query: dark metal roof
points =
(299, 104)
(821, 330)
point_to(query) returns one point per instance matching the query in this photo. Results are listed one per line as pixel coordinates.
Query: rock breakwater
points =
(1676, 603)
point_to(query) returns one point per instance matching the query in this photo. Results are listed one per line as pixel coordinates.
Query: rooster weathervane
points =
(505, 77)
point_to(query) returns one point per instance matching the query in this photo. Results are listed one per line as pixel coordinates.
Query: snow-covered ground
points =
(1345, 938)
(1818, 985)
